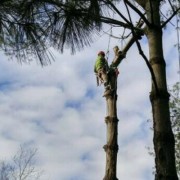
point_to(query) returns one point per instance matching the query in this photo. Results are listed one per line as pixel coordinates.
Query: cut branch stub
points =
(111, 119)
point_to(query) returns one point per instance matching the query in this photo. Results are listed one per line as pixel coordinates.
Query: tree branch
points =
(113, 21)
(138, 12)
(166, 18)
(128, 45)
(171, 5)
(116, 37)
(152, 16)
(118, 12)
(143, 55)
(141, 3)
(120, 23)
(174, 13)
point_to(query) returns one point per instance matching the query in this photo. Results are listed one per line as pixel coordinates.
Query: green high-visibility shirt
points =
(100, 63)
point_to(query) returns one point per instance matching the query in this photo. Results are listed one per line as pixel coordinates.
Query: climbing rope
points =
(109, 41)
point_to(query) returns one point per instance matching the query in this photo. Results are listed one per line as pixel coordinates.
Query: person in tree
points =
(101, 69)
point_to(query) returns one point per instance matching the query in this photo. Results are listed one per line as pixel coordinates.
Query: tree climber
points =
(101, 69)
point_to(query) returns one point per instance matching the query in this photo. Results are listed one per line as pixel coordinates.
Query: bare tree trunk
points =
(163, 136)
(111, 120)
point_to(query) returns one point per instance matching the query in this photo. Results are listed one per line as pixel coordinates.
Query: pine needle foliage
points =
(29, 28)
(21, 36)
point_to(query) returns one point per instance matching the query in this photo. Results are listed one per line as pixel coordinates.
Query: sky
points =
(59, 110)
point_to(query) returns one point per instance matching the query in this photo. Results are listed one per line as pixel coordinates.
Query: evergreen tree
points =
(29, 27)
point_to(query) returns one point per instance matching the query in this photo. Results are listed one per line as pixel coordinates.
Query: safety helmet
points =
(101, 53)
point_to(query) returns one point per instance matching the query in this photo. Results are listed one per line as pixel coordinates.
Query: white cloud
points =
(49, 109)
(59, 110)
(130, 162)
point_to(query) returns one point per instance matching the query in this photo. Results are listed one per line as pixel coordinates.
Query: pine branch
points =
(115, 22)
(120, 23)
(118, 12)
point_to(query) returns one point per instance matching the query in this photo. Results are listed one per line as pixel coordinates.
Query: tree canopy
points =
(31, 27)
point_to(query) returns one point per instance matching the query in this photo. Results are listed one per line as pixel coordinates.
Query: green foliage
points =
(175, 119)
(174, 105)
(21, 36)
(29, 28)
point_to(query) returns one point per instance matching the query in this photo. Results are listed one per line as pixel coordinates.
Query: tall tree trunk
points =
(111, 120)
(163, 136)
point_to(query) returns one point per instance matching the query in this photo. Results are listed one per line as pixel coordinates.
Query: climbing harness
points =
(99, 78)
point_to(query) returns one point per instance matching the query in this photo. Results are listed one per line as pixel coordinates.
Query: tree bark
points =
(111, 148)
(163, 136)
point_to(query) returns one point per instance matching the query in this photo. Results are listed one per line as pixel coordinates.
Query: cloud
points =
(60, 110)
